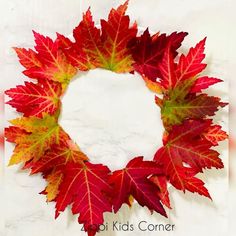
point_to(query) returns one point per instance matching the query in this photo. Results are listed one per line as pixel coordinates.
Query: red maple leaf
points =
(88, 46)
(36, 99)
(116, 34)
(85, 186)
(188, 66)
(133, 180)
(49, 62)
(184, 146)
(180, 83)
(59, 155)
(148, 51)
(105, 47)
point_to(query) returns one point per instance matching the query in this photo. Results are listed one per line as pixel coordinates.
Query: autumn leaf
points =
(180, 83)
(53, 162)
(36, 135)
(133, 180)
(175, 111)
(87, 48)
(116, 34)
(105, 47)
(36, 99)
(48, 63)
(148, 51)
(54, 180)
(59, 155)
(184, 146)
(188, 67)
(85, 186)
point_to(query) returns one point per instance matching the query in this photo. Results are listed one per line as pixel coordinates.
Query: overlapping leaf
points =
(174, 111)
(180, 83)
(85, 186)
(188, 67)
(52, 166)
(116, 34)
(148, 51)
(184, 146)
(133, 180)
(33, 138)
(36, 99)
(60, 154)
(105, 47)
(54, 180)
(49, 62)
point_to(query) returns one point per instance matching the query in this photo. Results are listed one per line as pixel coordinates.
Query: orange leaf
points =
(54, 180)
(214, 134)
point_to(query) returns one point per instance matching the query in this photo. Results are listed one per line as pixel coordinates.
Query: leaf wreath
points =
(92, 189)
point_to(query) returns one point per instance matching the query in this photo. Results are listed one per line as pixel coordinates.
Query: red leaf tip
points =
(122, 8)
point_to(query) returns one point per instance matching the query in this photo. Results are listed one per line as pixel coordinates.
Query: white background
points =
(111, 120)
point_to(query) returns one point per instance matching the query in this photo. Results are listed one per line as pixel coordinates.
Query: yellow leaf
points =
(54, 180)
(42, 133)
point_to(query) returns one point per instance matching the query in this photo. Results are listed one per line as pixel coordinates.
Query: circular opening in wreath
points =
(112, 117)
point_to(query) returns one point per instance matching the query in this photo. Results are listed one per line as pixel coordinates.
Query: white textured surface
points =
(101, 133)
(113, 117)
